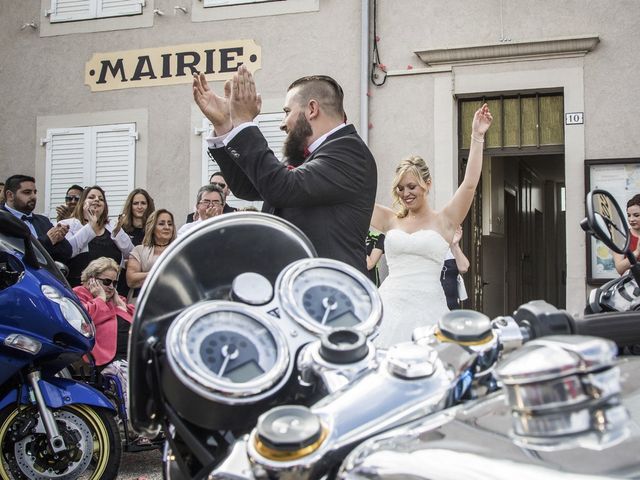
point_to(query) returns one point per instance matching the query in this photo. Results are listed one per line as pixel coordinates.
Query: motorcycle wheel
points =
(91, 435)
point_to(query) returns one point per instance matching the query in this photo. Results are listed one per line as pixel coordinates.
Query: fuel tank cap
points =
(555, 357)
(288, 432)
(564, 391)
(465, 326)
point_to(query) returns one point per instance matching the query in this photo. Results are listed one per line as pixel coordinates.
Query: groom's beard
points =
(295, 143)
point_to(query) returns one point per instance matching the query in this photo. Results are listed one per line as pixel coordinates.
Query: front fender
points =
(58, 392)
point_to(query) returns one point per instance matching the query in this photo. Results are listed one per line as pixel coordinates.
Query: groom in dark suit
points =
(21, 197)
(327, 184)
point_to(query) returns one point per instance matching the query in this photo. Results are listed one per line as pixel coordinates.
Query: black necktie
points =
(27, 218)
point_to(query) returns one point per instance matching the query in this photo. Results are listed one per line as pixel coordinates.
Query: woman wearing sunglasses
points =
(111, 315)
(108, 310)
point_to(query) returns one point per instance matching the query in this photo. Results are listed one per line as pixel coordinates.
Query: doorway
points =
(522, 253)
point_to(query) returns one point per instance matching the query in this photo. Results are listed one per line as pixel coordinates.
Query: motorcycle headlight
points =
(70, 311)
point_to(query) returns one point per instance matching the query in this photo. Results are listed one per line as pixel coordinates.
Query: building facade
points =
(98, 92)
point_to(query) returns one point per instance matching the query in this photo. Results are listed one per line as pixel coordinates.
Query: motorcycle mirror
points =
(606, 221)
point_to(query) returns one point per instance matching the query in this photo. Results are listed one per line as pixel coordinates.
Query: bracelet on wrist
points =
(477, 139)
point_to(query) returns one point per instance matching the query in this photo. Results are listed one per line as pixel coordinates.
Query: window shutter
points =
(67, 162)
(114, 153)
(269, 125)
(69, 10)
(114, 8)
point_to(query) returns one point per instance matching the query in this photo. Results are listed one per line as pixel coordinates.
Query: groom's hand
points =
(245, 103)
(214, 107)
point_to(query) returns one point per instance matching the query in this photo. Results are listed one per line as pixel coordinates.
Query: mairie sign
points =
(170, 65)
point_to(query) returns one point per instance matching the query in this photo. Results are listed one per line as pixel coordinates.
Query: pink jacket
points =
(104, 317)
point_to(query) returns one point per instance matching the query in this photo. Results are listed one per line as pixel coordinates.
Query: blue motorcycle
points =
(50, 426)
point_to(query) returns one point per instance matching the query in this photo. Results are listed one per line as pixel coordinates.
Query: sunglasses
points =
(71, 198)
(221, 185)
(107, 282)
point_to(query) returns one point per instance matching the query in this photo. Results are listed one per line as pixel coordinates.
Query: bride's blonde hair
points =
(415, 166)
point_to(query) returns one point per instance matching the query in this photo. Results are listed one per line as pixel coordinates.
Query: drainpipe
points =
(364, 71)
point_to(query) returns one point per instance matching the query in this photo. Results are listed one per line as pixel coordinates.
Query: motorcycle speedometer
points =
(227, 352)
(323, 294)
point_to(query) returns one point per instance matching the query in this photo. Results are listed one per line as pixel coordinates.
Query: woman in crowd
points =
(92, 236)
(418, 237)
(112, 317)
(137, 208)
(160, 232)
(109, 311)
(633, 216)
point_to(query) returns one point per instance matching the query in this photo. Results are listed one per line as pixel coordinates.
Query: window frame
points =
(93, 134)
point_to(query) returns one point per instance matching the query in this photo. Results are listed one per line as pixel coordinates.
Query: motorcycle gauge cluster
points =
(323, 294)
(227, 351)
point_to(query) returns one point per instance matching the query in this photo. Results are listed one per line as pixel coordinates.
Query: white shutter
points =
(114, 8)
(69, 10)
(269, 125)
(208, 165)
(114, 168)
(67, 162)
(219, 3)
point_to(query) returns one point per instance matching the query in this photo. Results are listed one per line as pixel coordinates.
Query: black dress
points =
(101, 246)
(136, 234)
(449, 280)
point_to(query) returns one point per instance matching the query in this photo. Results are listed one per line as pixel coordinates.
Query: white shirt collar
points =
(321, 139)
(16, 213)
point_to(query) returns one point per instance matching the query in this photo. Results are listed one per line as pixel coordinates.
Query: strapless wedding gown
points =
(412, 295)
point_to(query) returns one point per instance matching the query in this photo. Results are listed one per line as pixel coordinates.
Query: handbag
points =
(462, 291)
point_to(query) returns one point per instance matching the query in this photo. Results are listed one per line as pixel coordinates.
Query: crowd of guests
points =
(108, 259)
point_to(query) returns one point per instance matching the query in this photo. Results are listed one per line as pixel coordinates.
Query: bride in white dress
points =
(417, 239)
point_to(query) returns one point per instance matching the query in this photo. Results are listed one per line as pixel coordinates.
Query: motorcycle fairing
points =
(58, 392)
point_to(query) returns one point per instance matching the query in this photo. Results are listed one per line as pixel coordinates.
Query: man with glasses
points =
(70, 201)
(209, 203)
(21, 196)
(216, 178)
(327, 184)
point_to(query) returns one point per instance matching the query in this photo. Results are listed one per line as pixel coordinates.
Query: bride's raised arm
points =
(458, 207)
(382, 218)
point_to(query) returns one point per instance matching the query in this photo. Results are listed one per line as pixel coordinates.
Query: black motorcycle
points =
(256, 358)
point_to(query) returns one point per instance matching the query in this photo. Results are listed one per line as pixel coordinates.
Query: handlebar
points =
(621, 327)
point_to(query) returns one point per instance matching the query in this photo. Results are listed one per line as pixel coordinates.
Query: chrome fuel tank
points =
(567, 410)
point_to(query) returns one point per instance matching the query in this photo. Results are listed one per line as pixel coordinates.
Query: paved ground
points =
(141, 464)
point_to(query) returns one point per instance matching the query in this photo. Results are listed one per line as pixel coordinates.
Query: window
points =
(72, 10)
(219, 3)
(520, 121)
(215, 10)
(101, 155)
(269, 124)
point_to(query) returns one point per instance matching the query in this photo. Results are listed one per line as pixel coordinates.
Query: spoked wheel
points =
(90, 434)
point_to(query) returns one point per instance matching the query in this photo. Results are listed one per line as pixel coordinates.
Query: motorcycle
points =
(620, 294)
(50, 426)
(264, 366)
